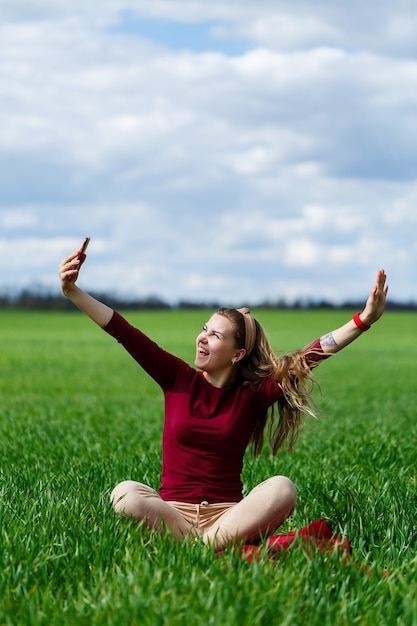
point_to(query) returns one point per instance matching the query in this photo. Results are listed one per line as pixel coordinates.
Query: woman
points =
(213, 412)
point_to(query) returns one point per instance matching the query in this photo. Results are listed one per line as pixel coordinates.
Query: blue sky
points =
(234, 152)
(204, 36)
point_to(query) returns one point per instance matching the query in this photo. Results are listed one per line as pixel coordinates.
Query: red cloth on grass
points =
(316, 536)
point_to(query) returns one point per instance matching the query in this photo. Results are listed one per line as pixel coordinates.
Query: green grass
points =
(77, 416)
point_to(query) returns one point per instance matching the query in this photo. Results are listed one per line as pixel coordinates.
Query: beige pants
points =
(261, 512)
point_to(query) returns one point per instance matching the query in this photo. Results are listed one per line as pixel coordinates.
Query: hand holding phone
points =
(82, 252)
(81, 255)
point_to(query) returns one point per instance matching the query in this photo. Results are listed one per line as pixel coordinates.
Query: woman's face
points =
(215, 347)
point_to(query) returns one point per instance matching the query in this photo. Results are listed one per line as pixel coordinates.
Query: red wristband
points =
(359, 322)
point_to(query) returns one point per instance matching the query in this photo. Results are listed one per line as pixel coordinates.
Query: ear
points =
(238, 356)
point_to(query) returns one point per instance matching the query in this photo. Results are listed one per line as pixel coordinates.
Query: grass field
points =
(77, 416)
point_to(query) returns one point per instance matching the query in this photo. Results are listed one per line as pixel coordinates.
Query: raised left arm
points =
(375, 305)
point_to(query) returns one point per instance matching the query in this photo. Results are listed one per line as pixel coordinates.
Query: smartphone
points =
(82, 250)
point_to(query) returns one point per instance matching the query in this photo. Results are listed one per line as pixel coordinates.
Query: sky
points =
(234, 152)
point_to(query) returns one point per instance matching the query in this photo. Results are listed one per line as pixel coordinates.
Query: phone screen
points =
(85, 245)
(83, 249)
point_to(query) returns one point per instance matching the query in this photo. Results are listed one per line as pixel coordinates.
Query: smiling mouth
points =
(202, 351)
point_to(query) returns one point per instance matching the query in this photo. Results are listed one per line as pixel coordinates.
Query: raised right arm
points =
(69, 268)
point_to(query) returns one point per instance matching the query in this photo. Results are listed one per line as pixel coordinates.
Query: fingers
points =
(67, 271)
(68, 268)
(69, 258)
(381, 277)
(81, 260)
(375, 304)
(380, 286)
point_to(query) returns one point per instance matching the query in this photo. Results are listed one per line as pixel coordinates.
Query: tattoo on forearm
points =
(327, 340)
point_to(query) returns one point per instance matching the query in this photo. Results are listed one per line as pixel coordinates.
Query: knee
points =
(126, 498)
(283, 490)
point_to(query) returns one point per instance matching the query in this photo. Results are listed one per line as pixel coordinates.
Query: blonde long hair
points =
(291, 371)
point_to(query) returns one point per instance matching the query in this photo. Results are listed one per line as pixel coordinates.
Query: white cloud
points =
(301, 252)
(20, 219)
(288, 167)
(286, 30)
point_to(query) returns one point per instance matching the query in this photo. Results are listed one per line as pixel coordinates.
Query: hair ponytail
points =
(284, 419)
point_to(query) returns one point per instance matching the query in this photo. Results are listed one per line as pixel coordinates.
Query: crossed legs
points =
(262, 511)
(142, 503)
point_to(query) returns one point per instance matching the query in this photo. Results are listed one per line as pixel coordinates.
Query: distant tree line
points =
(40, 300)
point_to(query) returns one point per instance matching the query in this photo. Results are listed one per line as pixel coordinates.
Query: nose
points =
(202, 336)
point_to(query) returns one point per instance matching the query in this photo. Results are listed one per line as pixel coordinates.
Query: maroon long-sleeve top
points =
(206, 429)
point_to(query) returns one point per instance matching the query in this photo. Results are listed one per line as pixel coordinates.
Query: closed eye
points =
(217, 334)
